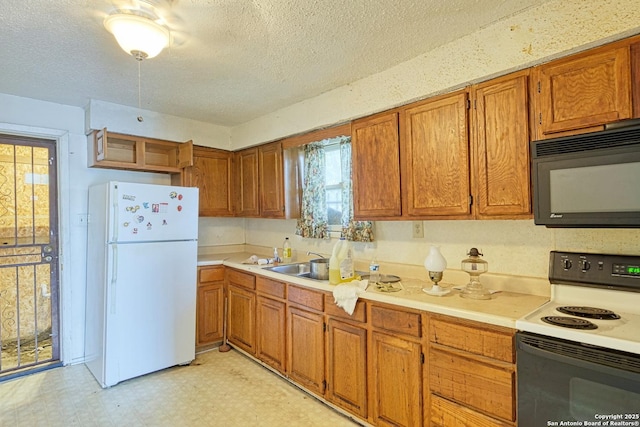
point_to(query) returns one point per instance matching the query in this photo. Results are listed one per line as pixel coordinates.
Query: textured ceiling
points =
(231, 60)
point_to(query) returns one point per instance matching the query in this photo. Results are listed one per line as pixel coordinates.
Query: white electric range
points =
(578, 356)
(595, 300)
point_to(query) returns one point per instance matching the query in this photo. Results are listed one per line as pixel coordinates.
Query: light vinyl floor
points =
(217, 389)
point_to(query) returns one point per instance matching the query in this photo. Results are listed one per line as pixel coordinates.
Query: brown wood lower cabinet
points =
(347, 366)
(484, 386)
(209, 305)
(241, 299)
(395, 368)
(471, 366)
(271, 322)
(305, 339)
(445, 413)
(396, 393)
(372, 363)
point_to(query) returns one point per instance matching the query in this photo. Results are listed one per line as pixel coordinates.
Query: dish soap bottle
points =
(341, 263)
(286, 251)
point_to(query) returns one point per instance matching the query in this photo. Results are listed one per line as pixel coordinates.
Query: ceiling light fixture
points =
(138, 35)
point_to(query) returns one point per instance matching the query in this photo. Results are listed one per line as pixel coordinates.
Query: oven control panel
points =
(600, 270)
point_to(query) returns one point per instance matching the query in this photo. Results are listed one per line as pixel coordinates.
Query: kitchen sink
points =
(300, 269)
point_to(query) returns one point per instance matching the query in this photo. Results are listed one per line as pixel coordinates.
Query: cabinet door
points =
(271, 332)
(487, 387)
(347, 367)
(435, 151)
(185, 155)
(246, 169)
(396, 394)
(242, 322)
(115, 151)
(376, 167)
(501, 147)
(271, 181)
(305, 342)
(212, 174)
(209, 313)
(445, 413)
(585, 90)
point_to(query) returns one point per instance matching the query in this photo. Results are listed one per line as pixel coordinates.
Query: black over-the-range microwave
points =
(588, 180)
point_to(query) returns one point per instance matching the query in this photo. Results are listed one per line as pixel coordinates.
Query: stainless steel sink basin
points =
(300, 269)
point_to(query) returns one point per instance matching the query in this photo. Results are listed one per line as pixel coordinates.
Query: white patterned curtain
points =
(356, 231)
(313, 222)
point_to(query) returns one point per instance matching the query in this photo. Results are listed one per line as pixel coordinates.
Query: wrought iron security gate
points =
(29, 315)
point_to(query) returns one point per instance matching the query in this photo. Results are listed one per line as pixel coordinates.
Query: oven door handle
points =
(581, 363)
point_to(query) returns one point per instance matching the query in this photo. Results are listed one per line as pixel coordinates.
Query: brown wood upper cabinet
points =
(212, 174)
(434, 150)
(129, 152)
(259, 182)
(500, 147)
(271, 181)
(375, 154)
(584, 91)
(246, 171)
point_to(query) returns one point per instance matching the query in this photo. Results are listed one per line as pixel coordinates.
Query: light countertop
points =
(503, 309)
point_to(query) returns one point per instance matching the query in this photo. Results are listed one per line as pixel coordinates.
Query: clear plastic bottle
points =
(374, 271)
(286, 250)
(341, 263)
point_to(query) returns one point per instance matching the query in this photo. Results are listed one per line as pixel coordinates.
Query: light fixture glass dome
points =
(435, 261)
(137, 35)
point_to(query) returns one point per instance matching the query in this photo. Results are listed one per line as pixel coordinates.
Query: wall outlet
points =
(418, 230)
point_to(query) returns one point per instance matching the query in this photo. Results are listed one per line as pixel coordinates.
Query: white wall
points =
(122, 119)
(515, 247)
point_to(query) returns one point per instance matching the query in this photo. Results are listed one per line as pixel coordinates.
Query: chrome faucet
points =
(315, 253)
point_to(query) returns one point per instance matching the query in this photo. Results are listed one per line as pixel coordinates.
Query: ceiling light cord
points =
(139, 56)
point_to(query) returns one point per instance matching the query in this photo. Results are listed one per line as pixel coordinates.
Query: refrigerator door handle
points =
(114, 280)
(114, 217)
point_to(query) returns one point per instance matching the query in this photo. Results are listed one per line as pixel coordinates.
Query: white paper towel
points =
(346, 295)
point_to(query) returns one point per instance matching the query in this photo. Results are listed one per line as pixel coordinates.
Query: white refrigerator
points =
(141, 279)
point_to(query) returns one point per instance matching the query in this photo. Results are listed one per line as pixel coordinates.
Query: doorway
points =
(29, 276)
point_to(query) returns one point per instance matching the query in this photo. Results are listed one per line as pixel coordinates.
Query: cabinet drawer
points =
(445, 413)
(359, 313)
(210, 274)
(241, 279)
(271, 287)
(404, 322)
(485, 387)
(476, 338)
(306, 297)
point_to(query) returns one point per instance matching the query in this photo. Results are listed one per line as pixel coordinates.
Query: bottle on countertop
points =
(341, 263)
(374, 271)
(286, 250)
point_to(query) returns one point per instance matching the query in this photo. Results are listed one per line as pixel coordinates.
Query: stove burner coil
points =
(589, 312)
(569, 322)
